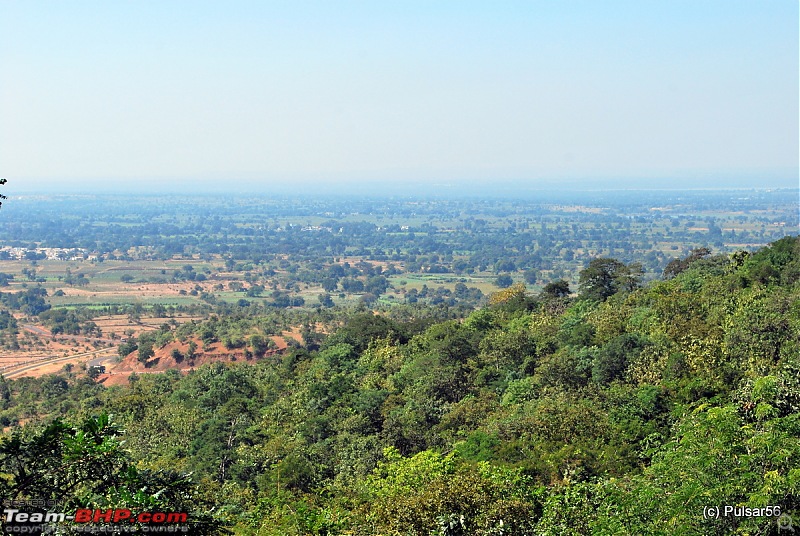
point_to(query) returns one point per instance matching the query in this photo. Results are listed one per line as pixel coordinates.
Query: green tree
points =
(556, 289)
(604, 277)
(259, 344)
(325, 300)
(433, 494)
(531, 276)
(84, 466)
(504, 281)
(145, 351)
(676, 266)
(613, 358)
(715, 458)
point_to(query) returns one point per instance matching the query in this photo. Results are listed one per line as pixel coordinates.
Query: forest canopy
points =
(626, 408)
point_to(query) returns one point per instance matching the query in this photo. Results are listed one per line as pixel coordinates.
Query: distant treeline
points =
(428, 236)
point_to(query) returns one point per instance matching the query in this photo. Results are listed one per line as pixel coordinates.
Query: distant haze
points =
(353, 96)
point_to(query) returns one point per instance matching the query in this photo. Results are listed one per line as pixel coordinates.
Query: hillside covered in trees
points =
(613, 408)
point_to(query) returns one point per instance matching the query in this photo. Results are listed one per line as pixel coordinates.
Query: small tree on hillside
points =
(556, 289)
(604, 277)
(145, 351)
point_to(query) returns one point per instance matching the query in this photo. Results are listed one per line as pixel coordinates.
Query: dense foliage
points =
(624, 409)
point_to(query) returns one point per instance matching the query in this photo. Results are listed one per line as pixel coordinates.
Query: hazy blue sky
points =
(257, 93)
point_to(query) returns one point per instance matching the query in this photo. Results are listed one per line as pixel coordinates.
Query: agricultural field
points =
(117, 269)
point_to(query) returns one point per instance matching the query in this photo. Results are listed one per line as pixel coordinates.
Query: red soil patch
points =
(162, 360)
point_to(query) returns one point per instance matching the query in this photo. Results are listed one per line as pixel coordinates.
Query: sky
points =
(338, 95)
